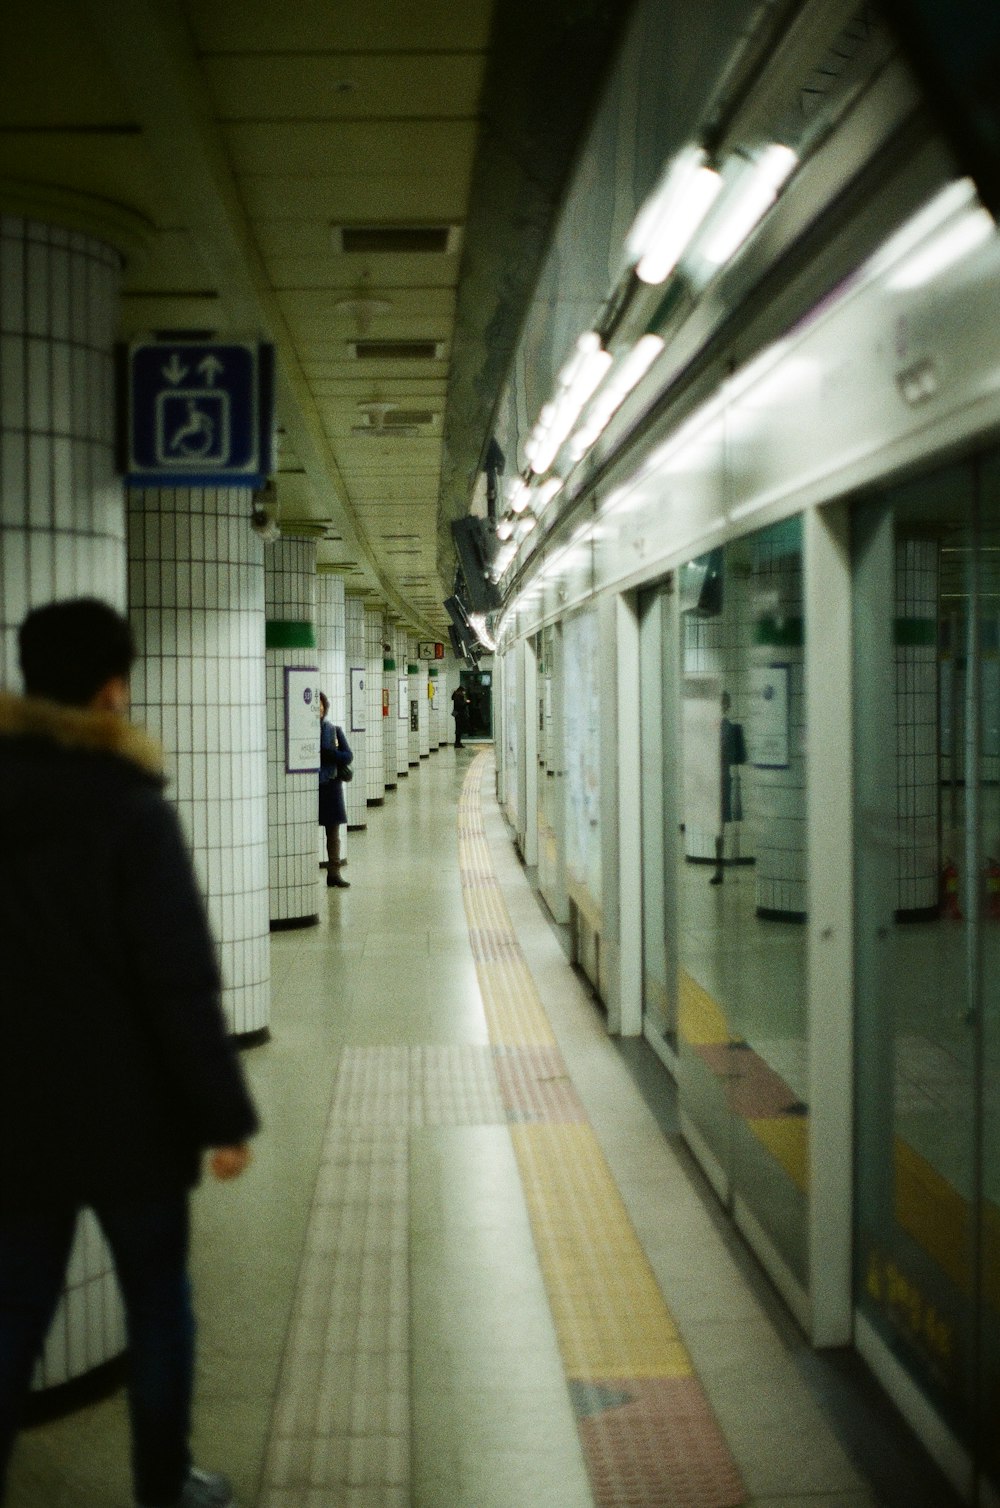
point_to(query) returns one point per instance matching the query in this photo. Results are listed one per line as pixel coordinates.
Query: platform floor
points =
(473, 1264)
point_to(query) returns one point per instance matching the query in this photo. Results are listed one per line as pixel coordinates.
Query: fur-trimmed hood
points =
(78, 729)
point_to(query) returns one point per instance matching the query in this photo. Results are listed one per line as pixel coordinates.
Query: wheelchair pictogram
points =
(192, 427)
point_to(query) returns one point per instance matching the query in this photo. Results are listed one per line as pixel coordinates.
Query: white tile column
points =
(290, 605)
(374, 639)
(402, 709)
(62, 534)
(435, 702)
(413, 723)
(356, 713)
(390, 723)
(918, 788)
(425, 709)
(196, 593)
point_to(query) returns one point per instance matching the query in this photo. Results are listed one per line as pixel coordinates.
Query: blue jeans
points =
(149, 1243)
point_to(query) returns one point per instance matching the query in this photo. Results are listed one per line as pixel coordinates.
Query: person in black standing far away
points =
(334, 755)
(116, 1073)
(460, 712)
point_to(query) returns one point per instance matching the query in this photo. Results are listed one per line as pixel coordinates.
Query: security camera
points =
(264, 513)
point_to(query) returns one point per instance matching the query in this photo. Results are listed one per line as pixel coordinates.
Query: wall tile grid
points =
(424, 710)
(374, 639)
(357, 714)
(62, 514)
(402, 656)
(778, 801)
(435, 683)
(390, 724)
(196, 593)
(331, 650)
(413, 677)
(917, 786)
(290, 599)
(62, 534)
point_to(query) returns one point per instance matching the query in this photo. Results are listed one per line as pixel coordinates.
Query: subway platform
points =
(472, 1265)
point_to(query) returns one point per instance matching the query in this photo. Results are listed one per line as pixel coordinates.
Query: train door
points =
(927, 734)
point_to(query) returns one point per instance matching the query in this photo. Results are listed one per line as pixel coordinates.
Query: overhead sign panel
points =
(198, 414)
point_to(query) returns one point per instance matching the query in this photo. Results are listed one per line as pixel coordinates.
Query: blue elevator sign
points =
(199, 415)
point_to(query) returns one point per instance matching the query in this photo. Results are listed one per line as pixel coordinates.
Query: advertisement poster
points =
(302, 716)
(767, 724)
(358, 699)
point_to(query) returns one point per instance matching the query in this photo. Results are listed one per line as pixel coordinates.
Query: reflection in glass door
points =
(927, 679)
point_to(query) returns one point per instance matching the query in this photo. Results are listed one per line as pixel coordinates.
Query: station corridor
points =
(472, 1265)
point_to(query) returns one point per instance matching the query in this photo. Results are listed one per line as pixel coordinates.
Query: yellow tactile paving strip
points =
(648, 1433)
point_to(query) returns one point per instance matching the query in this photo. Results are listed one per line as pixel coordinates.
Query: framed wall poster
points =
(359, 676)
(302, 718)
(767, 725)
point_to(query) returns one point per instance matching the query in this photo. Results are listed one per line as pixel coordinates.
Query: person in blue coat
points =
(117, 1075)
(334, 756)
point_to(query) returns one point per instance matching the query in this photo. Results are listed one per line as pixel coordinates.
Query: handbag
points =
(346, 773)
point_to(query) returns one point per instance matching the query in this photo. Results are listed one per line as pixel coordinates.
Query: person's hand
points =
(230, 1162)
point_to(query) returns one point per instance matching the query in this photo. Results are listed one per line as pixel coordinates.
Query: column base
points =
(285, 923)
(245, 1040)
(80, 1392)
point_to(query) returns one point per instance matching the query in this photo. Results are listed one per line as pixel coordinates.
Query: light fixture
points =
(524, 526)
(577, 381)
(478, 623)
(957, 240)
(517, 495)
(505, 528)
(672, 214)
(754, 187)
(543, 495)
(503, 558)
(614, 392)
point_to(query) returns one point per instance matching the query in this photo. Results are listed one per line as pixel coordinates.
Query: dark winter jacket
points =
(115, 1067)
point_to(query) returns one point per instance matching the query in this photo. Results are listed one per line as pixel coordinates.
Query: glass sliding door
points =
(927, 693)
(741, 890)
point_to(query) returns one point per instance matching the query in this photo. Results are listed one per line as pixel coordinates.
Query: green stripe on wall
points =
(780, 632)
(915, 633)
(283, 633)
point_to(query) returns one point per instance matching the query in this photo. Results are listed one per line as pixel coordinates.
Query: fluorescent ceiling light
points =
(611, 397)
(672, 215)
(524, 526)
(505, 528)
(517, 496)
(973, 228)
(743, 206)
(478, 622)
(579, 379)
(544, 494)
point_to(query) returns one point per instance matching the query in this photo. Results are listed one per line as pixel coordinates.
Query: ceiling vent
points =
(395, 240)
(396, 350)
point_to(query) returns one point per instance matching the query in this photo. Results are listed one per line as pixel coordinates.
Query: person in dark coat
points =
(116, 1071)
(732, 753)
(334, 757)
(460, 712)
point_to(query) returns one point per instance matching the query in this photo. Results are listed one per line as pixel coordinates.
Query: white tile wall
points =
(292, 800)
(435, 684)
(62, 511)
(62, 534)
(402, 654)
(196, 593)
(425, 710)
(917, 785)
(390, 724)
(357, 736)
(375, 753)
(413, 674)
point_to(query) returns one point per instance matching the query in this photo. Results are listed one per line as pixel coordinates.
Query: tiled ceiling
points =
(228, 145)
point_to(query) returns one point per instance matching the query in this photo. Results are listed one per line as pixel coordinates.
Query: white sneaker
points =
(204, 1489)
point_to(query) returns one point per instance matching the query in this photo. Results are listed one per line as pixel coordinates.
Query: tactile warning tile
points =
(655, 1444)
(417, 1086)
(535, 1085)
(646, 1426)
(609, 1314)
